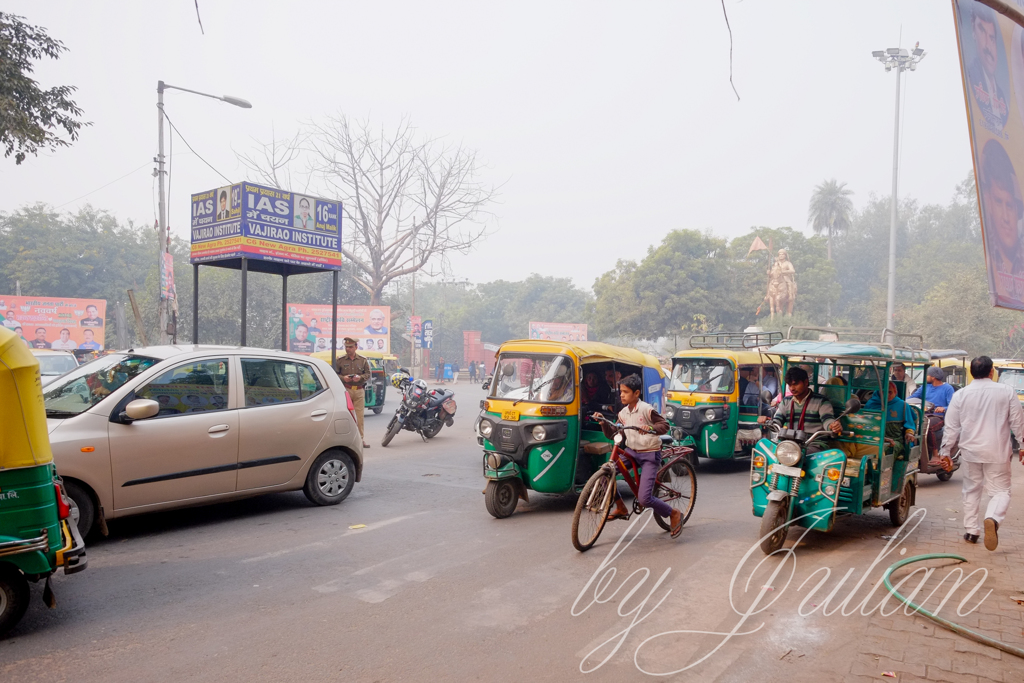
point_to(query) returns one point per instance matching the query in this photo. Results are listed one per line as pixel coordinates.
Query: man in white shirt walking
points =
(980, 418)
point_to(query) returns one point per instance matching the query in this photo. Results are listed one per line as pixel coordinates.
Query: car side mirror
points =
(853, 405)
(139, 409)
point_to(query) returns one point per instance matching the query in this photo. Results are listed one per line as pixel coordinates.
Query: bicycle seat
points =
(666, 440)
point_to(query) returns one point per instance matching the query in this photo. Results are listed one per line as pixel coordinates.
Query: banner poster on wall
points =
(56, 322)
(309, 327)
(566, 332)
(992, 66)
(416, 330)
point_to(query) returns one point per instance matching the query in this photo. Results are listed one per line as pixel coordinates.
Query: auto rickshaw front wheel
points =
(14, 595)
(501, 498)
(773, 526)
(377, 410)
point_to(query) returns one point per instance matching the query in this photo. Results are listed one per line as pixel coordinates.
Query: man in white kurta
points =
(980, 418)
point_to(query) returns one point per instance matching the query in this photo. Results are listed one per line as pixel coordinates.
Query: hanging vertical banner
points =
(265, 224)
(992, 66)
(167, 291)
(428, 334)
(416, 330)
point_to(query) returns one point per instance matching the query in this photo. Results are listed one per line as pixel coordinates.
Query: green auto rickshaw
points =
(35, 536)
(714, 393)
(535, 425)
(869, 465)
(376, 389)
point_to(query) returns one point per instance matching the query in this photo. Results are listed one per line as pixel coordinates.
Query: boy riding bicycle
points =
(644, 447)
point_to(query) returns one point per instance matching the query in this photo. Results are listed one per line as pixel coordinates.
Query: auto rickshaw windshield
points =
(708, 375)
(534, 377)
(1014, 378)
(89, 384)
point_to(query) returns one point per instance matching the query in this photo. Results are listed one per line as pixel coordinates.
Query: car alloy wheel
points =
(332, 477)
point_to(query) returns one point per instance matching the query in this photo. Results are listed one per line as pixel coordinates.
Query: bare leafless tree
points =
(408, 201)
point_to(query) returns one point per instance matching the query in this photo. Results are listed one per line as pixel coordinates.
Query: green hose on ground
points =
(955, 628)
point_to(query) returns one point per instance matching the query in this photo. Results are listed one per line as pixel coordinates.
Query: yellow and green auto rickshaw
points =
(535, 425)
(1011, 372)
(869, 465)
(35, 536)
(714, 392)
(376, 388)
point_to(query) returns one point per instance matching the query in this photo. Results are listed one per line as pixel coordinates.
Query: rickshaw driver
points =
(560, 390)
(645, 448)
(805, 410)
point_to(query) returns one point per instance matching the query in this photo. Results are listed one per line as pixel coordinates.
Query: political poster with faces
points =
(309, 327)
(56, 322)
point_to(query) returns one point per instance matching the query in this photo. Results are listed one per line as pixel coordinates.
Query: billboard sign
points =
(428, 334)
(567, 332)
(416, 331)
(309, 327)
(265, 224)
(55, 322)
(992, 67)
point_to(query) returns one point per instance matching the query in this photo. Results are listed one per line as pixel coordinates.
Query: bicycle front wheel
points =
(592, 509)
(677, 486)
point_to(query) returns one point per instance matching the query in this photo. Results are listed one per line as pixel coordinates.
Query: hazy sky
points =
(608, 123)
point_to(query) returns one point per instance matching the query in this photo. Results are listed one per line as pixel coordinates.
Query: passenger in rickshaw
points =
(834, 392)
(804, 409)
(592, 392)
(899, 420)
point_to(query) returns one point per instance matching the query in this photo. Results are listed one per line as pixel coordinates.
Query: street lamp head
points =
(878, 54)
(918, 52)
(894, 51)
(237, 101)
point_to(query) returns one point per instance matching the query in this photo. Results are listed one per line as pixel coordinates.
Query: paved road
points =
(432, 588)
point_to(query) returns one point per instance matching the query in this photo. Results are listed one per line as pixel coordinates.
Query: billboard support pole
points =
(245, 281)
(284, 308)
(334, 320)
(195, 303)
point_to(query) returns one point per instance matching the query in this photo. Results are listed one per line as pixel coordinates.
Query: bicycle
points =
(675, 483)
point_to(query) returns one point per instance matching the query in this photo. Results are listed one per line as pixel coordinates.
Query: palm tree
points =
(831, 210)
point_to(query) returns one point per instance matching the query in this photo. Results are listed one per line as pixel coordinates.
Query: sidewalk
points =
(917, 649)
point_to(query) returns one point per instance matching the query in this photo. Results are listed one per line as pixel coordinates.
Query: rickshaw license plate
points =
(510, 415)
(786, 471)
(687, 401)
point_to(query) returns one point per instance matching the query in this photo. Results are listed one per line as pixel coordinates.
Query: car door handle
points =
(218, 428)
(318, 413)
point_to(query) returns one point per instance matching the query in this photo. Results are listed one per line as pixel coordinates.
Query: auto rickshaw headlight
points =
(539, 433)
(788, 453)
(709, 415)
(493, 461)
(830, 490)
(486, 427)
(670, 413)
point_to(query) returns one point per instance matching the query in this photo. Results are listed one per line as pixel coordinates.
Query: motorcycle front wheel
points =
(393, 428)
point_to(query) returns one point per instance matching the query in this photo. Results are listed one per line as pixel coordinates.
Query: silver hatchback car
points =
(171, 426)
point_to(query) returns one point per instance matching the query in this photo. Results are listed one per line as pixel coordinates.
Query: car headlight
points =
(539, 433)
(788, 453)
(486, 428)
(709, 414)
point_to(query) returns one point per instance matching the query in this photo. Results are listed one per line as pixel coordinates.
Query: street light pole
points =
(902, 60)
(165, 238)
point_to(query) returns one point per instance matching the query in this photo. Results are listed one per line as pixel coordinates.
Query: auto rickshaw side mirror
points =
(766, 396)
(139, 409)
(853, 405)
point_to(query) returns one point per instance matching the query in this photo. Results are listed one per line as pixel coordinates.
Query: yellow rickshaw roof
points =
(737, 357)
(375, 355)
(586, 352)
(24, 441)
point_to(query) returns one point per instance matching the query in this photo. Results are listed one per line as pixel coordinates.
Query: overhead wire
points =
(104, 186)
(175, 129)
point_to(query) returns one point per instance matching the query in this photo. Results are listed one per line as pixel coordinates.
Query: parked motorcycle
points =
(422, 410)
(930, 463)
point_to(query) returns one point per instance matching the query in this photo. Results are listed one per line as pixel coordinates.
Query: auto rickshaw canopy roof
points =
(737, 357)
(375, 355)
(24, 441)
(850, 351)
(585, 352)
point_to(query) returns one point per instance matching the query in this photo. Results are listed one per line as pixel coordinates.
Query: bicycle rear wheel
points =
(592, 509)
(677, 486)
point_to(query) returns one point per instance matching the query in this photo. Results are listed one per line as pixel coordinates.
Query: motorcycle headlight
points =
(539, 433)
(709, 415)
(788, 453)
(486, 428)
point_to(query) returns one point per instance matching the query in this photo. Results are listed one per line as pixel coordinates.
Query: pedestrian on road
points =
(455, 372)
(354, 371)
(472, 372)
(980, 418)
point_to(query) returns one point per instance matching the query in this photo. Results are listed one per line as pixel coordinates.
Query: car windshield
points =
(56, 364)
(89, 384)
(707, 375)
(534, 377)
(1014, 378)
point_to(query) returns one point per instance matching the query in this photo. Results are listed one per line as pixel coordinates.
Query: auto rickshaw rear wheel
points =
(377, 410)
(944, 476)
(899, 509)
(14, 595)
(773, 526)
(501, 498)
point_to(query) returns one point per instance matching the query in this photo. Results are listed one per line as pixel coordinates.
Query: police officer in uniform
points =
(354, 371)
